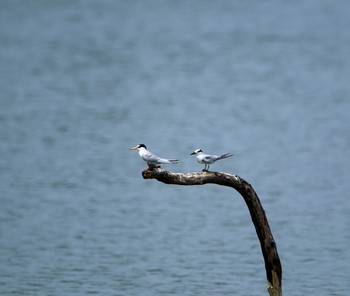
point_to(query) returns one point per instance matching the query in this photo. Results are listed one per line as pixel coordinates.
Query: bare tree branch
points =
(268, 246)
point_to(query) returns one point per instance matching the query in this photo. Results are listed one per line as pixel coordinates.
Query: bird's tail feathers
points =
(225, 155)
(174, 161)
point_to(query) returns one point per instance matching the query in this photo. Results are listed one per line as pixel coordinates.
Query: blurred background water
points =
(83, 81)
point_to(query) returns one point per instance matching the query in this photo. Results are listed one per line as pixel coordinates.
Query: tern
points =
(208, 159)
(152, 159)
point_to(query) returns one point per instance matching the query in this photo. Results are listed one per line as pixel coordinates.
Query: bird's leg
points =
(152, 166)
(205, 168)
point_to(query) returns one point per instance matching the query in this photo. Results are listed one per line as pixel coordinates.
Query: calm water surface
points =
(83, 81)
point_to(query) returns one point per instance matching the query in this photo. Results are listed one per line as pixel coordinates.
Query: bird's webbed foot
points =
(206, 168)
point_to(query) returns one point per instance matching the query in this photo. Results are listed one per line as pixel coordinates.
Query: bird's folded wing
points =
(209, 158)
(150, 157)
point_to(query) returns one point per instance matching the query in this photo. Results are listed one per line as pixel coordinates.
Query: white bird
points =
(208, 159)
(150, 158)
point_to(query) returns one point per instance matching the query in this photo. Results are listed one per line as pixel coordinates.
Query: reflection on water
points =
(82, 83)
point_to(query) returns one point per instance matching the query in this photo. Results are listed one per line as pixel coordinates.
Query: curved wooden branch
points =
(268, 246)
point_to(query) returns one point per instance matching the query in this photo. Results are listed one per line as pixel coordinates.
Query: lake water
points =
(83, 81)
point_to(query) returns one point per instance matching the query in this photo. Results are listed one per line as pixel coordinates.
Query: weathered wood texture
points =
(268, 246)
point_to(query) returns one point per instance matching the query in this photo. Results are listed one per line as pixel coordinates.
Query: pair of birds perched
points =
(153, 160)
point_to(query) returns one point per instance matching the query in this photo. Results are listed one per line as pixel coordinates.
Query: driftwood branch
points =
(268, 246)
